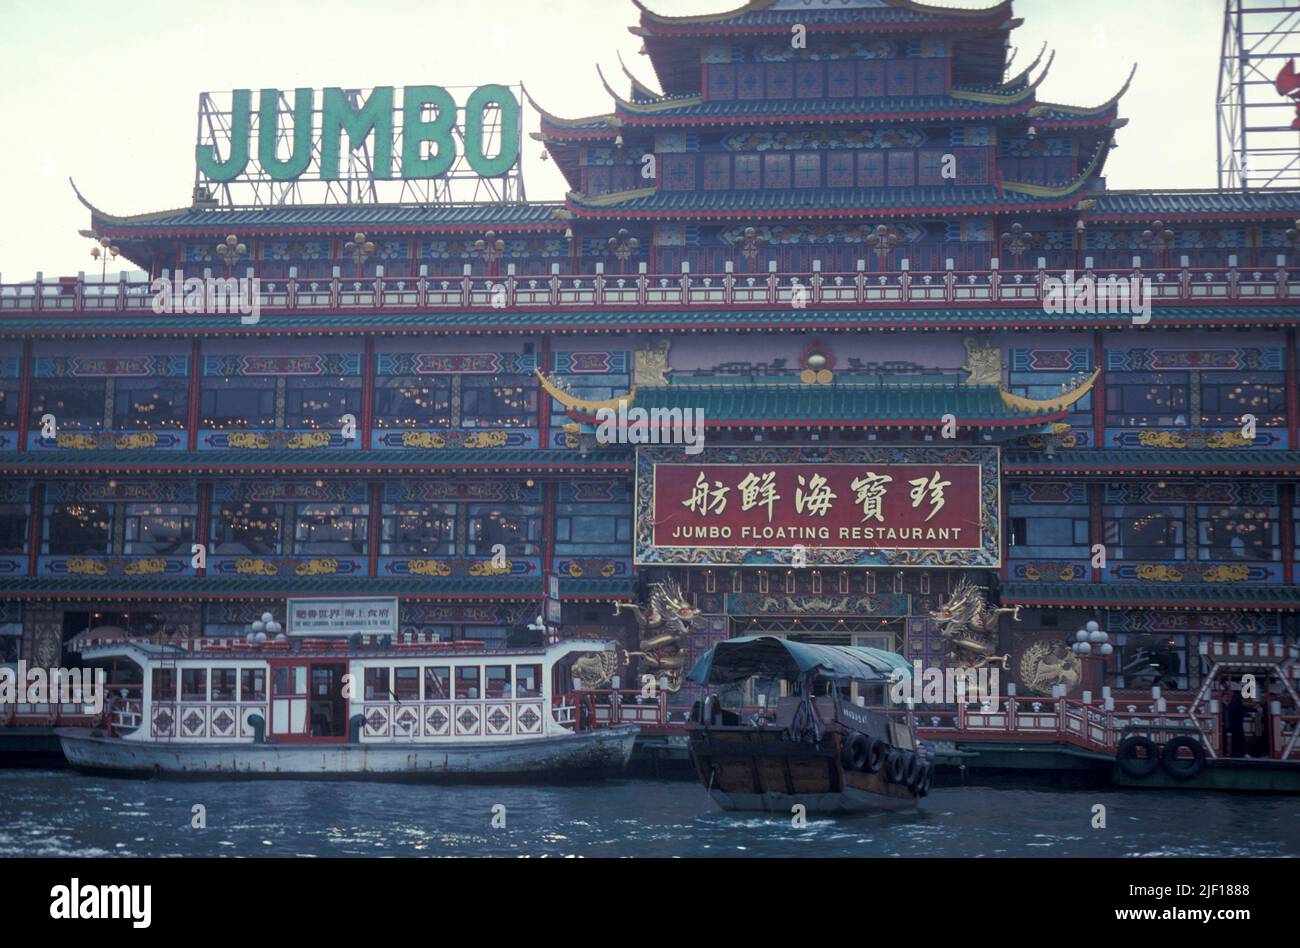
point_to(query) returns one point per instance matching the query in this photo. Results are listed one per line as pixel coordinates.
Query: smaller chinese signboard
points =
(342, 616)
(554, 609)
(844, 506)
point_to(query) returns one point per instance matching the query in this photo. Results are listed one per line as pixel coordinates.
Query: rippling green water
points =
(61, 813)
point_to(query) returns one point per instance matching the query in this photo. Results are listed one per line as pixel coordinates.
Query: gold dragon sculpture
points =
(664, 622)
(971, 627)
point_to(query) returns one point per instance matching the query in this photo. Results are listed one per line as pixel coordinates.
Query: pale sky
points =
(107, 92)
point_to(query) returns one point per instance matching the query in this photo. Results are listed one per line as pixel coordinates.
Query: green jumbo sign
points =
(378, 115)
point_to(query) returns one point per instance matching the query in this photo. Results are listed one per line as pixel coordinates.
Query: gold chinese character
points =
(934, 487)
(755, 492)
(817, 500)
(871, 494)
(703, 499)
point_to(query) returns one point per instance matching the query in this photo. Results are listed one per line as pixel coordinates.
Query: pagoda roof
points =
(895, 404)
(1199, 205)
(676, 319)
(640, 91)
(192, 588)
(1153, 596)
(329, 219)
(1111, 463)
(394, 461)
(671, 41)
(849, 12)
(864, 203)
(695, 110)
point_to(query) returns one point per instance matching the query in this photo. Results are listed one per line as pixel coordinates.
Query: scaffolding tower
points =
(1258, 110)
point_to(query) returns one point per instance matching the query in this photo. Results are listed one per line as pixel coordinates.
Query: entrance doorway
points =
(307, 701)
(329, 709)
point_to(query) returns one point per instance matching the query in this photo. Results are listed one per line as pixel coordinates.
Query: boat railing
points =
(1277, 281)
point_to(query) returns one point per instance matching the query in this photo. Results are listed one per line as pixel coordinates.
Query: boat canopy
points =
(737, 659)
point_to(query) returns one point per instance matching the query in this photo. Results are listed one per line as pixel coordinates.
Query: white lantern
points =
(1085, 648)
(267, 617)
(1092, 626)
(259, 637)
(1105, 648)
(258, 626)
(274, 628)
(1096, 636)
(249, 638)
(1081, 635)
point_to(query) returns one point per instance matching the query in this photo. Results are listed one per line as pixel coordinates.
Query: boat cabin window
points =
(467, 682)
(437, 683)
(194, 684)
(164, 684)
(498, 681)
(407, 684)
(223, 684)
(252, 685)
(873, 695)
(377, 684)
(528, 681)
(290, 681)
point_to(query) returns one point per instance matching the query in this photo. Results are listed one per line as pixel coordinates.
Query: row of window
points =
(426, 529)
(268, 529)
(427, 683)
(266, 403)
(1158, 532)
(1168, 399)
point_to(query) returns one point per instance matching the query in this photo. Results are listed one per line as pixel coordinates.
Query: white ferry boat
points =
(412, 709)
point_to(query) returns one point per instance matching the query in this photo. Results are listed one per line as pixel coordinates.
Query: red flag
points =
(1287, 80)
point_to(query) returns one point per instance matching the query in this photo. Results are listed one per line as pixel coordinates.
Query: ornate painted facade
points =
(839, 249)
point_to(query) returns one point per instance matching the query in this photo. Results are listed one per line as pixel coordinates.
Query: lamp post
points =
(1158, 238)
(1293, 236)
(491, 247)
(359, 249)
(1090, 640)
(623, 246)
(750, 243)
(1017, 240)
(882, 241)
(266, 627)
(104, 251)
(230, 250)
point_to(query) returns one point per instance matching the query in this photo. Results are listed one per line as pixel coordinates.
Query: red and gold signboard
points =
(844, 506)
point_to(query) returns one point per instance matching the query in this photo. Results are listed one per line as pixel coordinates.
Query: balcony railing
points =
(991, 287)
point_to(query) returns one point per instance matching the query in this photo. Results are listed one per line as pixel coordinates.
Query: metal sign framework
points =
(255, 188)
(1257, 145)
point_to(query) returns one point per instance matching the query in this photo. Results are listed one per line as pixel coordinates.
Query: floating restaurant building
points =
(845, 233)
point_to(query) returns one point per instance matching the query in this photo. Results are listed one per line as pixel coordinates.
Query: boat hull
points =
(757, 769)
(588, 754)
(845, 802)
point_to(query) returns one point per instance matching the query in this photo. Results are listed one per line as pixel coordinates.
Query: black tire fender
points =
(924, 778)
(895, 766)
(855, 751)
(876, 757)
(1126, 755)
(1177, 767)
(911, 769)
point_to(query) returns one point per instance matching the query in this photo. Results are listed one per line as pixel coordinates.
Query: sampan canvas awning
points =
(737, 659)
